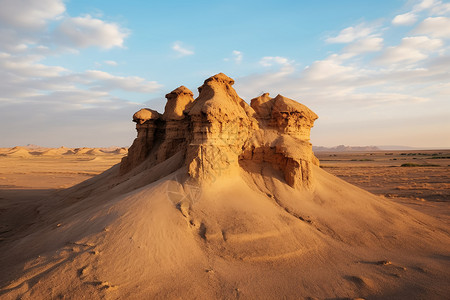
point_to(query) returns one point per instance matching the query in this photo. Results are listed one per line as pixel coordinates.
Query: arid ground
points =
(417, 178)
(31, 177)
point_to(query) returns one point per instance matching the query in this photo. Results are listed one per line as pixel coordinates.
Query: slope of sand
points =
(17, 152)
(54, 151)
(249, 237)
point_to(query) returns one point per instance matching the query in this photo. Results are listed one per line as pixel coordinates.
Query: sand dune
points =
(81, 151)
(28, 151)
(95, 151)
(55, 151)
(235, 207)
(120, 151)
(18, 152)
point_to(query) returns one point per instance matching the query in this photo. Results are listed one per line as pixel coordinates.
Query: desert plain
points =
(417, 178)
(32, 176)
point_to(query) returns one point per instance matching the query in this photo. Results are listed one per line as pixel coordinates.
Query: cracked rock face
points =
(219, 134)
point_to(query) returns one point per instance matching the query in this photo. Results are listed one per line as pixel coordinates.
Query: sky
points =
(73, 72)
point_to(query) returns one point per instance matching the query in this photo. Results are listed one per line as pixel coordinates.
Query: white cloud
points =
(29, 13)
(330, 68)
(180, 50)
(26, 66)
(432, 7)
(424, 4)
(435, 26)
(410, 50)
(83, 32)
(237, 56)
(42, 27)
(351, 34)
(435, 7)
(22, 77)
(369, 44)
(405, 19)
(105, 81)
(269, 61)
(441, 8)
(110, 63)
(286, 65)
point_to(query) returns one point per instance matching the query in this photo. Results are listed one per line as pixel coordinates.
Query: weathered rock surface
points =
(177, 100)
(219, 134)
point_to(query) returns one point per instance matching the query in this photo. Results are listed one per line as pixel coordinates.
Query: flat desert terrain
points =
(417, 178)
(52, 171)
(32, 177)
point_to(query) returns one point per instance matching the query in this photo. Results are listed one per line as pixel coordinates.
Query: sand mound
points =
(18, 152)
(81, 151)
(69, 152)
(55, 151)
(95, 151)
(223, 202)
(122, 150)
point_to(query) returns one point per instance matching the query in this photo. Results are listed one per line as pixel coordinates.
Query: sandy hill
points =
(18, 152)
(218, 199)
(95, 151)
(121, 150)
(82, 151)
(55, 151)
(69, 152)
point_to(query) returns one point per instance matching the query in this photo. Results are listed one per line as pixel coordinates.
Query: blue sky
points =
(376, 72)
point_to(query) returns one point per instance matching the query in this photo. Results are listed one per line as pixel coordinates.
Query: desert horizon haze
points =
(72, 72)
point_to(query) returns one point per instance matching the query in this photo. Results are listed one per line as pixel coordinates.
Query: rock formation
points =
(218, 133)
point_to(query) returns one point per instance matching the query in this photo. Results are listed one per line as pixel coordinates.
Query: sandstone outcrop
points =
(219, 134)
(177, 100)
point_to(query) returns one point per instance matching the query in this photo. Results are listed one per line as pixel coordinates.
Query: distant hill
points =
(32, 147)
(400, 147)
(343, 148)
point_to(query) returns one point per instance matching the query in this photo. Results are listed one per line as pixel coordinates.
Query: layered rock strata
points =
(218, 133)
